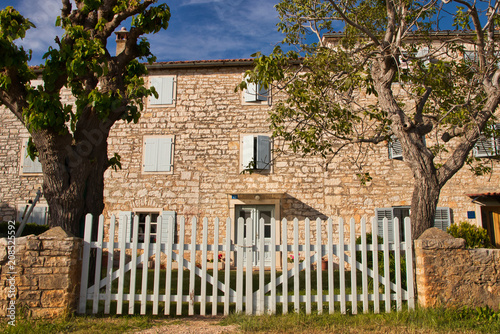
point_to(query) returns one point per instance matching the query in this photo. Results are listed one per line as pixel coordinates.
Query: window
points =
(38, 216)
(395, 149)
(165, 87)
(255, 152)
(127, 218)
(158, 154)
(488, 146)
(255, 92)
(29, 166)
(442, 220)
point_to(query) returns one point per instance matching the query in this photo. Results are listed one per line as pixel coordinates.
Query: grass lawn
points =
(418, 321)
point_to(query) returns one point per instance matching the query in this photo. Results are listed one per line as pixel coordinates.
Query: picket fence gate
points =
(264, 297)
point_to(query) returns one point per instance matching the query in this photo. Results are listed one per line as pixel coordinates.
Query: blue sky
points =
(199, 29)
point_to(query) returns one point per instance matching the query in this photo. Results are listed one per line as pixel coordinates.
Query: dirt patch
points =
(198, 325)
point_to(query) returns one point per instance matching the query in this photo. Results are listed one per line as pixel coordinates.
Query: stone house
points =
(203, 150)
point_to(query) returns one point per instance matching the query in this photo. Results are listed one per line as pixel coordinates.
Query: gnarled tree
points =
(434, 92)
(70, 140)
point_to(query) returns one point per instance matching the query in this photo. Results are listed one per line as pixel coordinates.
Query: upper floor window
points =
(165, 87)
(256, 93)
(255, 152)
(158, 154)
(29, 166)
(488, 146)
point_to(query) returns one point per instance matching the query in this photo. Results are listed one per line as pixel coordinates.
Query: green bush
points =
(475, 237)
(392, 260)
(28, 229)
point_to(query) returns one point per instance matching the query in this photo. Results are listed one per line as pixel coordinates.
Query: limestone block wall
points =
(449, 275)
(46, 275)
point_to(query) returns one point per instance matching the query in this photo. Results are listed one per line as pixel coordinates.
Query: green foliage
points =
(475, 237)
(28, 229)
(381, 261)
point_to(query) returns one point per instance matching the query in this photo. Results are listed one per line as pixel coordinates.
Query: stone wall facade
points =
(207, 122)
(47, 274)
(449, 275)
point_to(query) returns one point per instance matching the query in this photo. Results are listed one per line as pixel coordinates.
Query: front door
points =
(491, 215)
(256, 215)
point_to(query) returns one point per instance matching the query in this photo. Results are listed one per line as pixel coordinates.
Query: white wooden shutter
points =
(150, 154)
(165, 88)
(395, 149)
(422, 53)
(263, 152)
(250, 93)
(30, 166)
(125, 221)
(164, 154)
(497, 139)
(247, 152)
(382, 213)
(442, 220)
(166, 216)
(158, 154)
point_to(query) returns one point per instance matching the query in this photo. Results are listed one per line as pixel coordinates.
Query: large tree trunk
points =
(73, 178)
(423, 203)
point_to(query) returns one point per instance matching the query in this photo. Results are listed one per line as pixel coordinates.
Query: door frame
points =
(488, 224)
(257, 199)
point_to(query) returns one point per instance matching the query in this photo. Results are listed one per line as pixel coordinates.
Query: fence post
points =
(85, 264)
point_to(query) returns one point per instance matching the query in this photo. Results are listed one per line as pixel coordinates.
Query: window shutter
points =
(164, 154)
(263, 152)
(165, 88)
(247, 158)
(151, 154)
(125, 220)
(166, 216)
(485, 147)
(422, 53)
(442, 220)
(30, 166)
(38, 216)
(395, 149)
(497, 138)
(251, 92)
(262, 93)
(382, 213)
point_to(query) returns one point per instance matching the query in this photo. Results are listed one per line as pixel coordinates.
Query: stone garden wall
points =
(45, 278)
(450, 275)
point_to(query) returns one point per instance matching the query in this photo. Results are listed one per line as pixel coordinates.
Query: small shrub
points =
(475, 237)
(28, 229)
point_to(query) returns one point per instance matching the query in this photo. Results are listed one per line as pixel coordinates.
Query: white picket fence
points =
(275, 290)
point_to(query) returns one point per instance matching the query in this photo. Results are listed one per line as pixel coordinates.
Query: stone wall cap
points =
(56, 232)
(435, 233)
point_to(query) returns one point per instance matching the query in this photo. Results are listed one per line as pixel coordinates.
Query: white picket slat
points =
(85, 264)
(169, 258)
(376, 293)
(133, 270)
(192, 267)
(296, 281)
(121, 266)
(272, 302)
(144, 288)
(227, 257)
(331, 281)
(307, 254)
(156, 282)
(249, 250)
(284, 275)
(354, 283)
(215, 288)
(180, 272)
(409, 265)
(204, 251)
(397, 260)
(319, 267)
(240, 243)
(111, 250)
(387, 279)
(342, 267)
